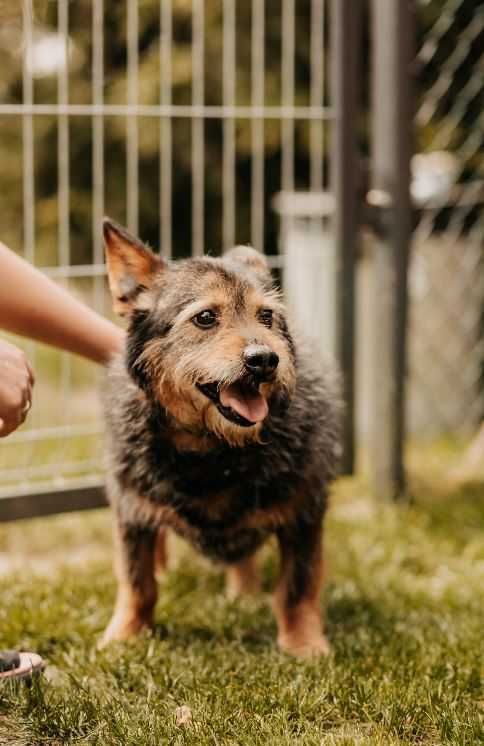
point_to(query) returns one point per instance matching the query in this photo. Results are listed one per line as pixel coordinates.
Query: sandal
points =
(14, 665)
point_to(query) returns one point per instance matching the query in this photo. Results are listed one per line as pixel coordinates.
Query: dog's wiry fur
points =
(176, 461)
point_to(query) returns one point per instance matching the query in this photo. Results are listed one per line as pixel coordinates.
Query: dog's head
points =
(207, 337)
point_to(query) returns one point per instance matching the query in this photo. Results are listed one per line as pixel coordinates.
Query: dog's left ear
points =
(251, 258)
(131, 266)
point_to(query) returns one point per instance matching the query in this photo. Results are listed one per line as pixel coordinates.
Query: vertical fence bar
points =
(228, 156)
(63, 235)
(257, 98)
(132, 201)
(344, 166)
(316, 94)
(98, 145)
(28, 136)
(28, 165)
(198, 127)
(392, 142)
(287, 90)
(166, 146)
(63, 137)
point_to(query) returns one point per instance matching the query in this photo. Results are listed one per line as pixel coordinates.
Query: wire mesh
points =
(446, 338)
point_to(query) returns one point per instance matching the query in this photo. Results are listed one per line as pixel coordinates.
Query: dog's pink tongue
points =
(251, 406)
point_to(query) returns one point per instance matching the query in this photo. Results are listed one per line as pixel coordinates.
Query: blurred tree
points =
(80, 92)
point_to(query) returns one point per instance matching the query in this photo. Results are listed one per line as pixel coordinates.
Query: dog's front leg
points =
(135, 571)
(297, 595)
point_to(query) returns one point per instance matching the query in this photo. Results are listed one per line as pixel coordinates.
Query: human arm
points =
(34, 306)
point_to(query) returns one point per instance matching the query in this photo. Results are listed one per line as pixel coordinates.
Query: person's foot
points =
(15, 665)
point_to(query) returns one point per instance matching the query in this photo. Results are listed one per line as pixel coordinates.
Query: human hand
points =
(16, 382)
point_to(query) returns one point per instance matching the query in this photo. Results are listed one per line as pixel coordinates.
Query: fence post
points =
(345, 24)
(390, 200)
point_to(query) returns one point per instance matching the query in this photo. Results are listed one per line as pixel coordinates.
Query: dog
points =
(218, 427)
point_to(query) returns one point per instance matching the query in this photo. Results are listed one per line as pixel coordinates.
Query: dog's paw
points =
(119, 630)
(316, 647)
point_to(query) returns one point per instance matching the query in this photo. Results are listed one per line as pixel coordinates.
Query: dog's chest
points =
(206, 474)
(213, 499)
(225, 501)
(216, 514)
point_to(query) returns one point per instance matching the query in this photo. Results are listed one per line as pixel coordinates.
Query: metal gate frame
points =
(390, 207)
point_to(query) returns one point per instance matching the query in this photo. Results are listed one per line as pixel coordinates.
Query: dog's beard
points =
(240, 402)
(192, 410)
(226, 430)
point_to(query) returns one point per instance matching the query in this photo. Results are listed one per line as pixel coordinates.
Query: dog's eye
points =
(205, 319)
(265, 317)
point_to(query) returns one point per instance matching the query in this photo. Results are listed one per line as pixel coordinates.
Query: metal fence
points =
(64, 86)
(421, 279)
(185, 120)
(446, 282)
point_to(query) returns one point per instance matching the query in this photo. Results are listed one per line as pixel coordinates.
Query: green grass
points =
(404, 607)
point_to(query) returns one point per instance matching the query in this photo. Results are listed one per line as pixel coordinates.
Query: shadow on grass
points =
(349, 614)
(344, 619)
(181, 635)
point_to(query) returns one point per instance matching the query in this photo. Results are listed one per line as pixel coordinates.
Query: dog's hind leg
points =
(297, 596)
(137, 591)
(242, 578)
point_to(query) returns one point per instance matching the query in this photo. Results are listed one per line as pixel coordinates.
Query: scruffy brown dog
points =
(218, 427)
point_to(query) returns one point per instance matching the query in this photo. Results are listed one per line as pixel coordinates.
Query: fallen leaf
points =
(183, 715)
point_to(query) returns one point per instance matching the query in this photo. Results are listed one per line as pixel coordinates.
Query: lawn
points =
(405, 615)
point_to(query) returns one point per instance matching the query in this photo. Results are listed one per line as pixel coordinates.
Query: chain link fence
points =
(446, 280)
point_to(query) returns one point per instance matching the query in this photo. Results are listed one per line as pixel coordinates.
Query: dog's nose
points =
(260, 360)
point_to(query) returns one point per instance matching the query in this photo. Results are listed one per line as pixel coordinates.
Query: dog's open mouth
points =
(240, 402)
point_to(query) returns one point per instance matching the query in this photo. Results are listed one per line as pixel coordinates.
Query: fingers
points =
(25, 410)
(16, 383)
(31, 373)
(26, 393)
(14, 417)
(26, 399)
(8, 426)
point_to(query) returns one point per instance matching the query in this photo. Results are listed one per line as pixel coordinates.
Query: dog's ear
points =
(131, 266)
(249, 257)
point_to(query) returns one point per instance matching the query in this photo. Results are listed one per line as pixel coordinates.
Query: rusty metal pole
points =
(392, 24)
(345, 57)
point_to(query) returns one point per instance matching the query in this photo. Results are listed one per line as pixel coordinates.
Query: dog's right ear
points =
(131, 266)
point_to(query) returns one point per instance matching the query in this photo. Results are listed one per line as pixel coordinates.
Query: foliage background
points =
(80, 92)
